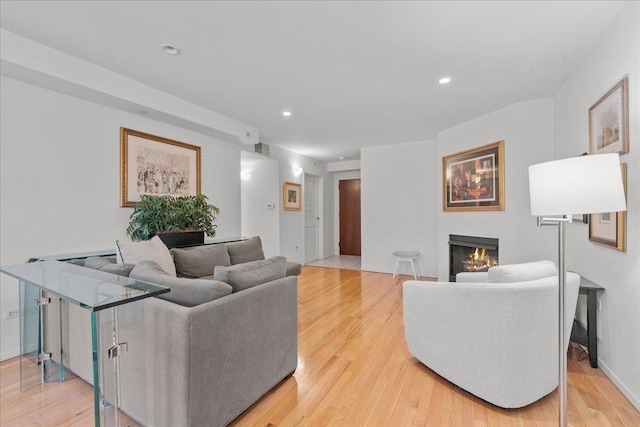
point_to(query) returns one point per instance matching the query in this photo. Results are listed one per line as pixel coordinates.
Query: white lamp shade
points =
(578, 185)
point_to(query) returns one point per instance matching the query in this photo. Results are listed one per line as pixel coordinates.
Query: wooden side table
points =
(588, 337)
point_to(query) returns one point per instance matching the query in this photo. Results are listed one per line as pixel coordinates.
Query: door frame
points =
(340, 176)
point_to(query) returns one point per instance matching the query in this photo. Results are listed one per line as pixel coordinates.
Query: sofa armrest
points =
(293, 268)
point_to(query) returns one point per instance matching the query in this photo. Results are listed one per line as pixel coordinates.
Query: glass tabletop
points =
(90, 289)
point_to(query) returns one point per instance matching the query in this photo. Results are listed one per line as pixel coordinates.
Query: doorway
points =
(349, 208)
(312, 222)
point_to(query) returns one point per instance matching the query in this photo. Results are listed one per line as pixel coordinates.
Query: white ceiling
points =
(354, 74)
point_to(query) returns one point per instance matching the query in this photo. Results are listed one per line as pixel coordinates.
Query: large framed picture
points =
(291, 197)
(609, 121)
(150, 164)
(609, 229)
(473, 180)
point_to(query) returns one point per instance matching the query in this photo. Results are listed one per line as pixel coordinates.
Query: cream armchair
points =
(495, 334)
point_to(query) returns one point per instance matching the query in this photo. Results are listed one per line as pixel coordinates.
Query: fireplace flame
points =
(480, 260)
(479, 254)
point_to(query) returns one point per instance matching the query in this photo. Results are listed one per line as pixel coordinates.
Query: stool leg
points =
(413, 267)
(395, 272)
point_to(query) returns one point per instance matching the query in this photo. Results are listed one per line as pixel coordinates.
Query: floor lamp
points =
(578, 185)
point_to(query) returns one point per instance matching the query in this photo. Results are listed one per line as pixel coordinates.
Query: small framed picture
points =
(291, 197)
(609, 228)
(609, 121)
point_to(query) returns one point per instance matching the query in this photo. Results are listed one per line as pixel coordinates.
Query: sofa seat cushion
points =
(108, 265)
(199, 261)
(245, 251)
(524, 272)
(147, 250)
(250, 274)
(186, 292)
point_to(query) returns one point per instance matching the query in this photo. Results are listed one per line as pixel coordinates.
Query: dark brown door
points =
(350, 217)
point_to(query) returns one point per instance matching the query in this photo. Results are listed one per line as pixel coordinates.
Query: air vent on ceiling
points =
(261, 148)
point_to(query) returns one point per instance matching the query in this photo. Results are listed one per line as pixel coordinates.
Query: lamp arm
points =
(542, 221)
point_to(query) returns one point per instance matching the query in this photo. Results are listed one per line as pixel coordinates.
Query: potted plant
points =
(178, 221)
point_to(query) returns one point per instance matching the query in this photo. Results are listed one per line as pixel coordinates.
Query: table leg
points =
(592, 326)
(96, 367)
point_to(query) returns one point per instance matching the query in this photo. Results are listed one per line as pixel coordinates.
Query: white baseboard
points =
(633, 399)
(9, 354)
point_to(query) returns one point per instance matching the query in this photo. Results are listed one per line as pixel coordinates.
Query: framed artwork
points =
(609, 229)
(151, 164)
(473, 180)
(291, 197)
(609, 121)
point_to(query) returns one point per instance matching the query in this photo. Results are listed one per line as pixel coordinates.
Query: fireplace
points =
(471, 253)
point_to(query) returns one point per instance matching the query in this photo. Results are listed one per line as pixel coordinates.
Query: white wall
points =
(615, 54)
(400, 201)
(60, 174)
(260, 188)
(527, 131)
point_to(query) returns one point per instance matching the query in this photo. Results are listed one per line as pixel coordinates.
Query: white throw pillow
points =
(147, 250)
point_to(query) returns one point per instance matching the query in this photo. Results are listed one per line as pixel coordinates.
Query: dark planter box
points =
(182, 238)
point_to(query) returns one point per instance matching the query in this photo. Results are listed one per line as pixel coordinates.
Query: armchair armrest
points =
(473, 277)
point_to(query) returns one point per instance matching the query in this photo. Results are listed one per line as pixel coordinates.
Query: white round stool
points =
(406, 256)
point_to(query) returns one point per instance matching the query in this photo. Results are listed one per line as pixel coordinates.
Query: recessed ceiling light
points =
(444, 80)
(286, 113)
(170, 49)
(344, 157)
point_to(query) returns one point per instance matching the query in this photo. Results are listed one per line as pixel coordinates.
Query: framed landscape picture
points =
(609, 229)
(473, 180)
(291, 197)
(609, 121)
(151, 164)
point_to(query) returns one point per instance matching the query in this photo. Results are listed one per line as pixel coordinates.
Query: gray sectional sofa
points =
(203, 353)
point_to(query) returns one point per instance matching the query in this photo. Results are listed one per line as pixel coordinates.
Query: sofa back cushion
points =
(108, 265)
(246, 251)
(199, 261)
(147, 250)
(522, 272)
(186, 292)
(250, 274)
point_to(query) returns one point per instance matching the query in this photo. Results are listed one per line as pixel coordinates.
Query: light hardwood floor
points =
(353, 370)
(345, 262)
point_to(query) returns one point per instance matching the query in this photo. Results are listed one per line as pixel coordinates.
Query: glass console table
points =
(46, 289)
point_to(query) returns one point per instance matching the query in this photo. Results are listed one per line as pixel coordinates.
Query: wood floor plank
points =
(354, 370)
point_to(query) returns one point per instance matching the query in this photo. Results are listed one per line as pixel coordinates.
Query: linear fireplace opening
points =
(471, 253)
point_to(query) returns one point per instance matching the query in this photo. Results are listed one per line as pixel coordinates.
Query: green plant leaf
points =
(156, 214)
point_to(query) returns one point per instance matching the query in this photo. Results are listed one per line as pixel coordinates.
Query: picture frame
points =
(151, 164)
(474, 180)
(609, 121)
(291, 196)
(609, 229)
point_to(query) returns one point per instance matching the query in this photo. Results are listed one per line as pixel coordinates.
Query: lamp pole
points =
(562, 354)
